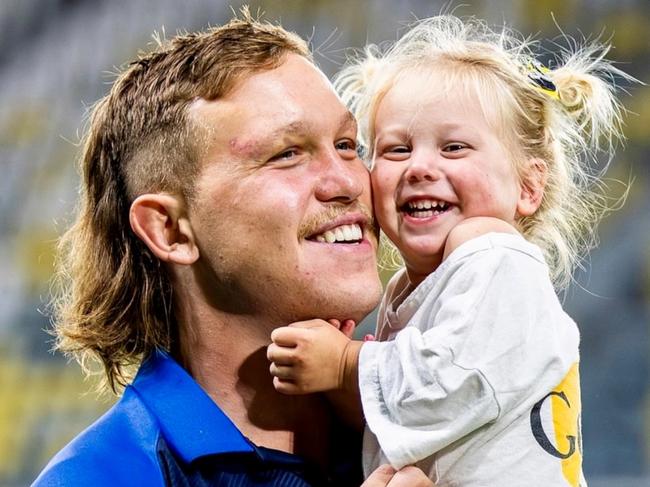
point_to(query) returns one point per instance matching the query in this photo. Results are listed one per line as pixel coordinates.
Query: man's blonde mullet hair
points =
(112, 301)
(568, 134)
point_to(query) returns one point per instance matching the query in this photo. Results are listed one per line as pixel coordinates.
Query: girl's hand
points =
(347, 327)
(312, 356)
(386, 476)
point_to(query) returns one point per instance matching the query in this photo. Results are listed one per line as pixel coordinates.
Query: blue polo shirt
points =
(166, 431)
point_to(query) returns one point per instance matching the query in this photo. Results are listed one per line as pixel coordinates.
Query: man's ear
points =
(160, 221)
(532, 187)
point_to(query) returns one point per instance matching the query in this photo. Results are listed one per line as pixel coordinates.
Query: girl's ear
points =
(160, 221)
(532, 187)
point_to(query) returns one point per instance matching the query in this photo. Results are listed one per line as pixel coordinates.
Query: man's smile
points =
(343, 233)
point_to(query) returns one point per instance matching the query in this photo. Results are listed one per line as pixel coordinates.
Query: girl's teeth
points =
(426, 205)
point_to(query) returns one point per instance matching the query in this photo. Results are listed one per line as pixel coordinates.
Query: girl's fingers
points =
(307, 324)
(279, 355)
(285, 336)
(285, 387)
(282, 372)
(335, 323)
(347, 328)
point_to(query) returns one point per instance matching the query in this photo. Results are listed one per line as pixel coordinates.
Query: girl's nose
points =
(423, 166)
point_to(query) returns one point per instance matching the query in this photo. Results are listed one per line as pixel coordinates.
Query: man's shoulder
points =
(118, 449)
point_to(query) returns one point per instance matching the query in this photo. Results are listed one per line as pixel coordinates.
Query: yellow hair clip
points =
(538, 74)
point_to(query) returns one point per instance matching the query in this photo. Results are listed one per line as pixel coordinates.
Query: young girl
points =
(474, 376)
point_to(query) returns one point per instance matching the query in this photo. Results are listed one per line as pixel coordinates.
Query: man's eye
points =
(347, 148)
(285, 155)
(346, 145)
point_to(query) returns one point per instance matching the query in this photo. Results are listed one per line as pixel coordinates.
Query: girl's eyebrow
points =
(452, 125)
(402, 136)
(390, 129)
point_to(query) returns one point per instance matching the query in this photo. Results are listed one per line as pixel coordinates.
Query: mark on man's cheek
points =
(236, 145)
(243, 148)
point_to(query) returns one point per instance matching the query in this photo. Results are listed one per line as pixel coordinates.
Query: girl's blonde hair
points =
(566, 119)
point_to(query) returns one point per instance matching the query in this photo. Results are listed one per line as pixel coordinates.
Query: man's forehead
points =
(255, 145)
(314, 125)
(268, 107)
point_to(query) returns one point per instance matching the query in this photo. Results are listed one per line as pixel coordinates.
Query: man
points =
(222, 197)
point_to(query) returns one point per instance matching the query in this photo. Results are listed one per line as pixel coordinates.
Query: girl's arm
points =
(472, 228)
(314, 356)
(488, 336)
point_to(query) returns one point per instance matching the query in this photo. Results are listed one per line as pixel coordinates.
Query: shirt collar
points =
(191, 422)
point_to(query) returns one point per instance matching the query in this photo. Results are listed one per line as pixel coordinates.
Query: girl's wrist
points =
(349, 380)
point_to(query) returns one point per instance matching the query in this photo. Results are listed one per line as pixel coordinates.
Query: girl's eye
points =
(395, 152)
(396, 149)
(454, 147)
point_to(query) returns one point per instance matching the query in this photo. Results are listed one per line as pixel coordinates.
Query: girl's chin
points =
(423, 263)
(423, 249)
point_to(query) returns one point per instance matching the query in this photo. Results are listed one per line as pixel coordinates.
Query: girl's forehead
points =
(427, 87)
(447, 90)
(431, 83)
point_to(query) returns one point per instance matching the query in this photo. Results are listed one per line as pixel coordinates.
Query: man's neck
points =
(226, 355)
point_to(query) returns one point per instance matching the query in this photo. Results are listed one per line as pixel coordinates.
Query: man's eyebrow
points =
(301, 127)
(297, 127)
(256, 148)
(348, 120)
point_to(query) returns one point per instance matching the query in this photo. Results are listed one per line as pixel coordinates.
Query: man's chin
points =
(362, 303)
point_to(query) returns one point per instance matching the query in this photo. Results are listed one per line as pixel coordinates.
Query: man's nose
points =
(424, 166)
(340, 179)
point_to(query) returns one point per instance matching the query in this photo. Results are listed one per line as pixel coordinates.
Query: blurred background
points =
(57, 57)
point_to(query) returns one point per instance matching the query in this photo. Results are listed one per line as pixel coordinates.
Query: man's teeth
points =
(343, 233)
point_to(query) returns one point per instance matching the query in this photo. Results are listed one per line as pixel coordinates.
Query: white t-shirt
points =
(477, 380)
